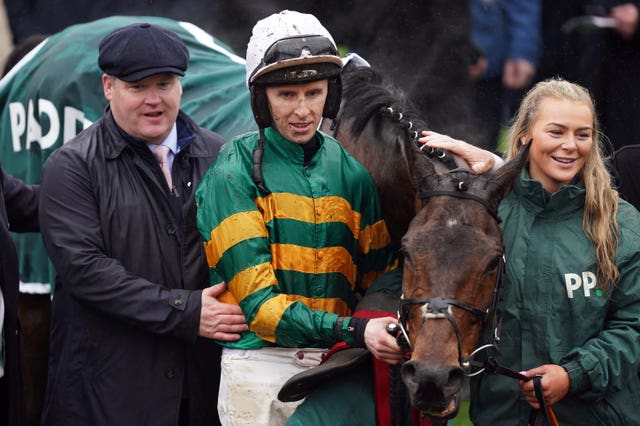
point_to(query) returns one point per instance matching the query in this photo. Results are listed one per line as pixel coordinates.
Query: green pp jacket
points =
(553, 312)
(296, 258)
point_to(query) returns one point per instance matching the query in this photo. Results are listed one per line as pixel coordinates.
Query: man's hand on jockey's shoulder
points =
(478, 159)
(380, 343)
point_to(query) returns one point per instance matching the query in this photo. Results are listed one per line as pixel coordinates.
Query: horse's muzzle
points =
(433, 391)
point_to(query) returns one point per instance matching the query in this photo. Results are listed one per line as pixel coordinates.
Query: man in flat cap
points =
(133, 317)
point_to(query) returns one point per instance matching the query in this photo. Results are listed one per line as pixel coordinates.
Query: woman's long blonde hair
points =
(601, 201)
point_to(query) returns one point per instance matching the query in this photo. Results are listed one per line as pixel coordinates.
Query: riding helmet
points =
(290, 48)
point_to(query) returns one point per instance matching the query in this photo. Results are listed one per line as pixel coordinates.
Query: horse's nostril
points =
(408, 370)
(456, 379)
(456, 375)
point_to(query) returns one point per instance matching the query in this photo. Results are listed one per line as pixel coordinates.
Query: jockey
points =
(293, 226)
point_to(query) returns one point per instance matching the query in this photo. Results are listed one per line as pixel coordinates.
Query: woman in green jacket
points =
(571, 305)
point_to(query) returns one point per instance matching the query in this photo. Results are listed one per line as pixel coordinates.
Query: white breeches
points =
(251, 379)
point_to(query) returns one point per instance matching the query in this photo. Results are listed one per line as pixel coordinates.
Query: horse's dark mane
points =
(367, 96)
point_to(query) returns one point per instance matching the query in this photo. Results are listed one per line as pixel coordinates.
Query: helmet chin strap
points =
(256, 169)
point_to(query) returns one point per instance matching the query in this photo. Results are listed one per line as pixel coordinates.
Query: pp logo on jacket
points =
(587, 280)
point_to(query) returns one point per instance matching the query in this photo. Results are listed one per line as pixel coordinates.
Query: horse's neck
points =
(391, 172)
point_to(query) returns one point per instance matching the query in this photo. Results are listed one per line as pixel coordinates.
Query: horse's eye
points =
(493, 265)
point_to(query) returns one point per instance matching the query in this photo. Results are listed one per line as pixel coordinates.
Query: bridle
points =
(439, 307)
(442, 308)
(434, 308)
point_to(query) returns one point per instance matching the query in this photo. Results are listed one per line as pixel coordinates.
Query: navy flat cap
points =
(141, 50)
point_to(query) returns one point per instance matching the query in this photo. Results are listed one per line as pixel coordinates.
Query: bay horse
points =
(444, 222)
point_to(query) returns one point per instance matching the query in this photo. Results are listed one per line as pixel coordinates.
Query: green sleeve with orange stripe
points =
(290, 258)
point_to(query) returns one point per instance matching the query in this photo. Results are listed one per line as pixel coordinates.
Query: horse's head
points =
(453, 261)
(446, 224)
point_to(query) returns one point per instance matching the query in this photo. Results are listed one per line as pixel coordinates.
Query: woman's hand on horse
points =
(478, 159)
(380, 343)
(220, 321)
(555, 384)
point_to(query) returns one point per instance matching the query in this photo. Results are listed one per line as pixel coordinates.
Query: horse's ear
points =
(424, 173)
(504, 178)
